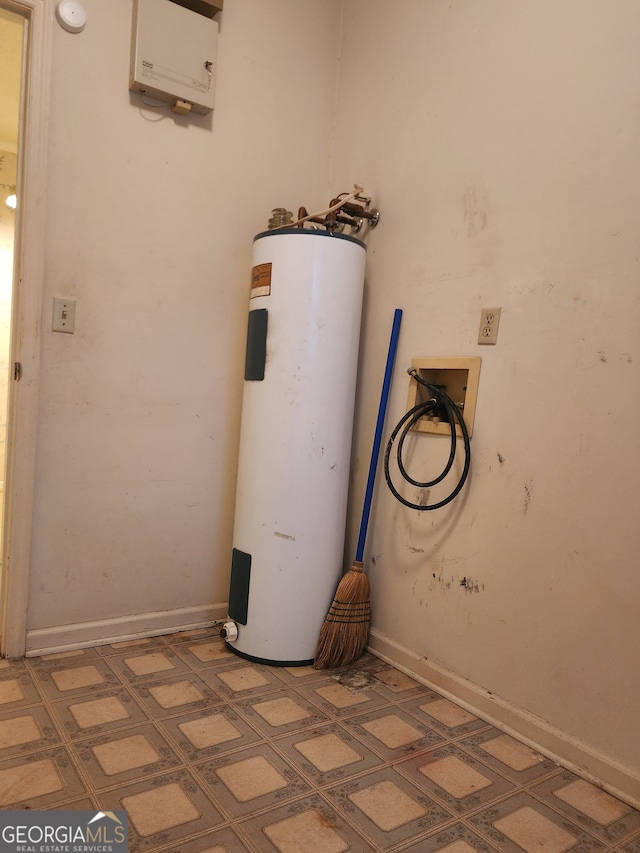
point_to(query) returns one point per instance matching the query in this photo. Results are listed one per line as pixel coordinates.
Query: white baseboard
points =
(620, 781)
(81, 635)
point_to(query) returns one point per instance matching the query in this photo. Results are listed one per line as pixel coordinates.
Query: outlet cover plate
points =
(489, 322)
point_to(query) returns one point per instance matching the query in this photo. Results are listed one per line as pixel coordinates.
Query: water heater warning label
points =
(261, 280)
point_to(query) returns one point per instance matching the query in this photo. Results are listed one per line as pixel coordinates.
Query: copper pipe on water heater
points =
(358, 210)
(353, 214)
(302, 214)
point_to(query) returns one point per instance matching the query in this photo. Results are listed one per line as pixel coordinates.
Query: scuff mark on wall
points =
(471, 585)
(475, 213)
(422, 498)
(439, 581)
(528, 496)
(437, 576)
(501, 459)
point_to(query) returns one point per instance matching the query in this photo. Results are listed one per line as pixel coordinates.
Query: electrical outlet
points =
(489, 322)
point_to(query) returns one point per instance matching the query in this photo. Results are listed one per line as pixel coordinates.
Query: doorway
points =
(25, 52)
(12, 28)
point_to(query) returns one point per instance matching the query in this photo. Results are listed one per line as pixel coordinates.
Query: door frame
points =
(26, 322)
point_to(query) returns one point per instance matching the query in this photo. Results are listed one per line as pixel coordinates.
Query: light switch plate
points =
(64, 315)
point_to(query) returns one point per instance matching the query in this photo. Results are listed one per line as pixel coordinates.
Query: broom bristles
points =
(344, 634)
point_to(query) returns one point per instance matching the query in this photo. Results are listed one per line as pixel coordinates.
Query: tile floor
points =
(209, 753)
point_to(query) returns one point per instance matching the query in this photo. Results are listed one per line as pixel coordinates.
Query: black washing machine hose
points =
(441, 402)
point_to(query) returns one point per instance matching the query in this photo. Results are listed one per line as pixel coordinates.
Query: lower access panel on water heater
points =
(173, 54)
(239, 586)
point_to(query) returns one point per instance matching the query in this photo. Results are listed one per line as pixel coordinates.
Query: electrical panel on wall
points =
(173, 55)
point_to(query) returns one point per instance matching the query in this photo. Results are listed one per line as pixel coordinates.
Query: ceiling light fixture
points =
(10, 199)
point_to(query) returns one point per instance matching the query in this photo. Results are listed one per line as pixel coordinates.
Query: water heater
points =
(295, 441)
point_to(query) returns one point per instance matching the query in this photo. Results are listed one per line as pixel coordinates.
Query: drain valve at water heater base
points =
(229, 632)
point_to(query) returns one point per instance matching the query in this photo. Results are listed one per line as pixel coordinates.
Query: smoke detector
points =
(71, 16)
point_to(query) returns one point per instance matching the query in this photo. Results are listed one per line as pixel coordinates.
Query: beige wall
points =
(501, 141)
(150, 223)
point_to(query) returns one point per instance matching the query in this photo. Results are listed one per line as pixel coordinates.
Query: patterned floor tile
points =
(456, 778)
(210, 732)
(299, 675)
(359, 678)
(56, 660)
(39, 780)
(10, 668)
(254, 779)
(384, 806)
(393, 734)
(137, 666)
(327, 754)
(85, 715)
(26, 731)
(308, 824)
(205, 653)
(212, 632)
(184, 693)
(339, 700)
(211, 753)
(456, 838)
(281, 713)
(73, 678)
(18, 731)
(118, 758)
(223, 840)
(163, 811)
(87, 804)
(632, 846)
(241, 679)
(17, 689)
(509, 756)
(588, 806)
(142, 643)
(523, 823)
(397, 686)
(447, 718)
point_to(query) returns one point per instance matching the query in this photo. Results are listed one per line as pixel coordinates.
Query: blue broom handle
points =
(382, 410)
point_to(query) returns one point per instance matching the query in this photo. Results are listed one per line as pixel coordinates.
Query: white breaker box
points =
(173, 55)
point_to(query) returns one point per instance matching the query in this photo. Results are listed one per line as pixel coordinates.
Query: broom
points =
(344, 634)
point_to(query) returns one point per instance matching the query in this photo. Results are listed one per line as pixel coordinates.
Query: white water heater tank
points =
(295, 441)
